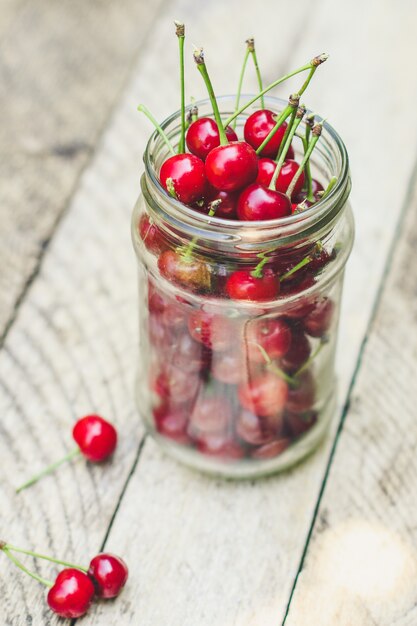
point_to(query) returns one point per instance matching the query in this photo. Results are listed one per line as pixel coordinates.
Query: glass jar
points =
(233, 387)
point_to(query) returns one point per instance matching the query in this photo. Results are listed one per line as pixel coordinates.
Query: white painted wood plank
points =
(361, 565)
(62, 67)
(209, 552)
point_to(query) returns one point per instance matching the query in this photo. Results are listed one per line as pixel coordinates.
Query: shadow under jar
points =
(232, 387)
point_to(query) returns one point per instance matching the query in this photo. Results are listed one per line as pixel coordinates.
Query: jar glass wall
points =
(229, 386)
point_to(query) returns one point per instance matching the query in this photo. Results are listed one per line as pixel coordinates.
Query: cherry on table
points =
(203, 136)
(242, 285)
(273, 335)
(96, 437)
(109, 573)
(231, 167)
(257, 202)
(258, 126)
(72, 593)
(184, 176)
(264, 395)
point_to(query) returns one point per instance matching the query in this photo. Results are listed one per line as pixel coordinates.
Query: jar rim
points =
(299, 221)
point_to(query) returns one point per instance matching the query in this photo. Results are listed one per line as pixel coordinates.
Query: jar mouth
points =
(330, 148)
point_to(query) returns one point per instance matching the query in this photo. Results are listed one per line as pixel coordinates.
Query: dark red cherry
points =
(257, 202)
(232, 167)
(286, 175)
(72, 594)
(151, 235)
(316, 187)
(227, 207)
(109, 573)
(300, 423)
(186, 171)
(96, 438)
(298, 353)
(273, 335)
(257, 128)
(203, 136)
(264, 395)
(242, 285)
(214, 331)
(318, 322)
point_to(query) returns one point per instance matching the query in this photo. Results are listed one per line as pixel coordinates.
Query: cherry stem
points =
(180, 32)
(272, 366)
(307, 259)
(308, 362)
(316, 131)
(201, 66)
(48, 470)
(298, 116)
(188, 250)
(305, 140)
(11, 548)
(257, 272)
(19, 564)
(143, 109)
(281, 119)
(251, 46)
(287, 132)
(308, 66)
(332, 183)
(239, 86)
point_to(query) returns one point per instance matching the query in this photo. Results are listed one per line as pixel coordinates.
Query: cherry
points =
(214, 331)
(221, 446)
(172, 423)
(271, 450)
(257, 202)
(186, 354)
(182, 175)
(257, 430)
(264, 395)
(186, 271)
(273, 335)
(300, 423)
(242, 285)
(228, 367)
(257, 128)
(109, 573)
(286, 175)
(232, 166)
(298, 353)
(96, 438)
(151, 235)
(175, 386)
(72, 593)
(266, 169)
(210, 415)
(203, 136)
(227, 207)
(302, 397)
(318, 322)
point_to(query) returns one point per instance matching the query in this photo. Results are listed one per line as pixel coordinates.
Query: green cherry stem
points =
(272, 366)
(299, 113)
(11, 548)
(251, 46)
(331, 184)
(201, 66)
(314, 63)
(48, 470)
(180, 32)
(308, 362)
(19, 564)
(143, 109)
(316, 132)
(257, 272)
(280, 120)
(287, 132)
(307, 169)
(240, 83)
(186, 254)
(307, 259)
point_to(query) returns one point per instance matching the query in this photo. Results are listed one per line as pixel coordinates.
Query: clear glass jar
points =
(232, 387)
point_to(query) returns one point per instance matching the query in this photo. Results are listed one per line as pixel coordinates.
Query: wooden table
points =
(332, 542)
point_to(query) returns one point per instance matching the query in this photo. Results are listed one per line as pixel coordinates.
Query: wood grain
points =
(361, 564)
(62, 66)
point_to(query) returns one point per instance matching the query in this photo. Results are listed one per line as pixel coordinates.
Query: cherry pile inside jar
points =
(238, 356)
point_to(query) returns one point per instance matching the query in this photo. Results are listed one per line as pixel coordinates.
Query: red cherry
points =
(242, 285)
(187, 174)
(298, 353)
(257, 202)
(214, 331)
(227, 207)
(175, 386)
(71, 594)
(286, 175)
(203, 136)
(318, 322)
(190, 272)
(210, 415)
(274, 336)
(266, 169)
(95, 437)
(257, 430)
(232, 167)
(220, 446)
(151, 235)
(172, 423)
(257, 128)
(228, 367)
(109, 573)
(271, 450)
(264, 395)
